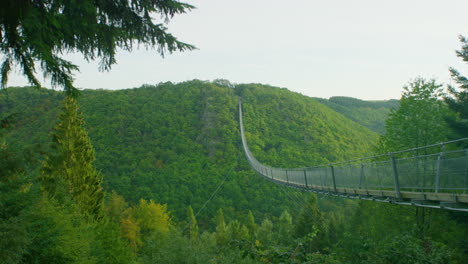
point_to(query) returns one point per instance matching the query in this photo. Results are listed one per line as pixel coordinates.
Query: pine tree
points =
(285, 228)
(193, 225)
(68, 171)
(42, 31)
(251, 225)
(311, 216)
(221, 229)
(16, 199)
(115, 206)
(458, 101)
(265, 232)
(310, 223)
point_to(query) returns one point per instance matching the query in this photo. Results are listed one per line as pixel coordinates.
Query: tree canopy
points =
(458, 101)
(40, 32)
(161, 142)
(164, 149)
(419, 121)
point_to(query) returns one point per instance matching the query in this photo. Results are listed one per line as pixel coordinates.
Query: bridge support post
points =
(395, 177)
(287, 177)
(305, 178)
(437, 179)
(361, 177)
(465, 180)
(271, 171)
(333, 178)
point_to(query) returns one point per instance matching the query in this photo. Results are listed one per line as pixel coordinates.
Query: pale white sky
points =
(366, 49)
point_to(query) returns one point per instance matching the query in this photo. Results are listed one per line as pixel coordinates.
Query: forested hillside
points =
(157, 174)
(174, 143)
(371, 114)
(179, 190)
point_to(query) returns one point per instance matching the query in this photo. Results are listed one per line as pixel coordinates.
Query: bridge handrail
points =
(435, 177)
(441, 144)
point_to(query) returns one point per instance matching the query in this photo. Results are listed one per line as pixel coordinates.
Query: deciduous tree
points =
(419, 121)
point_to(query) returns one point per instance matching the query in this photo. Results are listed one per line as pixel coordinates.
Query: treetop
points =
(40, 32)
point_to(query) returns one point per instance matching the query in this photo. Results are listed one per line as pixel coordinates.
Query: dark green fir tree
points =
(311, 226)
(458, 98)
(193, 225)
(68, 171)
(40, 32)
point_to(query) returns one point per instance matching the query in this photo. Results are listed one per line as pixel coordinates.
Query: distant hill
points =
(176, 143)
(371, 114)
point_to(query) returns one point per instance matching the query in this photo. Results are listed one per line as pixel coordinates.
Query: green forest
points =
(157, 174)
(371, 114)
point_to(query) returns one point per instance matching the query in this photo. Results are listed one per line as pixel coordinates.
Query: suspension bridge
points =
(436, 180)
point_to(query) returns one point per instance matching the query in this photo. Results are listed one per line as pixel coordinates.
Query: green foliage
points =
(175, 143)
(132, 232)
(115, 205)
(152, 217)
(408, 249)
(37, 230)
(178, 248)
(109, 246)
(251, 225)
(41, 31)
(221, 229)
(68, 171)
(285, 228)
(458, 99)
(386, 233)
(237, 233)
(192, 224)
(265, 232)
(16, 200)
(311, 221)
(285, 129)
(371, 114)
(420, 120)
(296, 252)
(60, 235)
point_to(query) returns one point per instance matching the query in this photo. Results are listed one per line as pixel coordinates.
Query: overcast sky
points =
(366, 49)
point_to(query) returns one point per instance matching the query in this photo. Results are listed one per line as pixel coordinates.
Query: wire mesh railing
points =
(397, 175)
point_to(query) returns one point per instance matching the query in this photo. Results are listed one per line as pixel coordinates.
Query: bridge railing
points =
(447, 171)
(390, 174)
